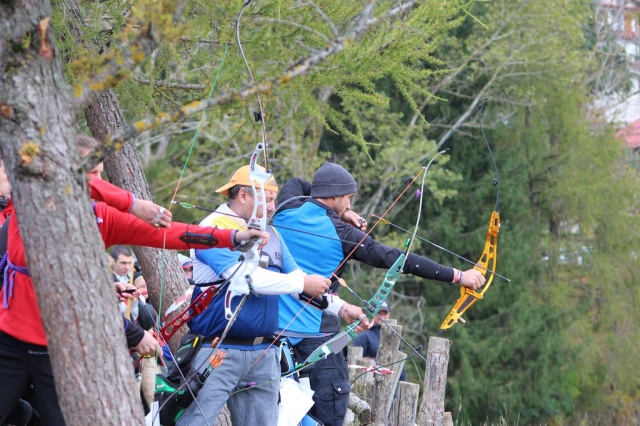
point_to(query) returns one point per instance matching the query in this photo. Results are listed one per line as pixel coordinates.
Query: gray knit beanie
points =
(332, 180)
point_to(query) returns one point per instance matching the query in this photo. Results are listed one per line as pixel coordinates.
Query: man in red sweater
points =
(24, 358)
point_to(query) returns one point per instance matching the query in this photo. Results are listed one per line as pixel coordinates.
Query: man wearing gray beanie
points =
(323, 209)
(332, 180)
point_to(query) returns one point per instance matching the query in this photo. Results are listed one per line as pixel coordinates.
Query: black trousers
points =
(329, 379)
(22, 364)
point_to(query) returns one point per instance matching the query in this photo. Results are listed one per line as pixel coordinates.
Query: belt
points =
(244, 342)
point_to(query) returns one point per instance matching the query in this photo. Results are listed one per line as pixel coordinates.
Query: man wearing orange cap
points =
(250, 356)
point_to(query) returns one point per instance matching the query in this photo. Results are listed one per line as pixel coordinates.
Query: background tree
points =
(554, 156)
(379, 102)
(38, 119)
(83, 326)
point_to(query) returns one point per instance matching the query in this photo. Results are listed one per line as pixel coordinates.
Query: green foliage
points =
(538, 343)
(553, 344)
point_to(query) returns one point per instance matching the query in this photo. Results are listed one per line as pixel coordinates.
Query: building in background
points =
(619, 25)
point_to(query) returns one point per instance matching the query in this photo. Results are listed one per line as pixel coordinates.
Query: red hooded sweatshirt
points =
(21, 319)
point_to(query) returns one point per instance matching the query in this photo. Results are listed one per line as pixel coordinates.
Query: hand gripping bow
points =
(370, 308)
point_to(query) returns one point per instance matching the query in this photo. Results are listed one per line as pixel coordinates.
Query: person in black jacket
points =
(320, 208)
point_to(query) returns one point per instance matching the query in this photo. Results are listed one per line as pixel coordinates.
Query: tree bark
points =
(84, 329)
(162, 272)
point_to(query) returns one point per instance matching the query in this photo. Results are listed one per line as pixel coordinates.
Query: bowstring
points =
(480, 118)
(415, 231)
(164, 243)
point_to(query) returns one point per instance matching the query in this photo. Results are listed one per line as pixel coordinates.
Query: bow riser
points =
(487, 261)
(489, 256)
(371, 308)
(331, 346)
(240, 285)
(200, 304)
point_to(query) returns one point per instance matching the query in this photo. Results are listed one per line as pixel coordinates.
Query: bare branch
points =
(471, 107)
(169, 84)
(208, 77)
(326, 19)
(199, 40)
(294, 24)
(451, 76)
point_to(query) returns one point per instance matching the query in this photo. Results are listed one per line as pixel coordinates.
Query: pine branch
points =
(358, 26)
(118, 66)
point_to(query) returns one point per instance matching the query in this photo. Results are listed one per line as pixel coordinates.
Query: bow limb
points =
(253, 81)
(488, 259)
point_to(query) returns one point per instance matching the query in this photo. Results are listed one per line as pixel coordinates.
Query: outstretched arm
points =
(124, 201)
(122, 228)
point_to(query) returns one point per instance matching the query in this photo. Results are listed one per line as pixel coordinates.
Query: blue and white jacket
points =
(317, 255)
(259, 315)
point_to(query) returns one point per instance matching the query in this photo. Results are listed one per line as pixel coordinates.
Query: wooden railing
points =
(382, 400)
(372, 400)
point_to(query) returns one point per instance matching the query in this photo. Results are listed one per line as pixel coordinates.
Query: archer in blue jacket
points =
(250, 356)
(320, 208)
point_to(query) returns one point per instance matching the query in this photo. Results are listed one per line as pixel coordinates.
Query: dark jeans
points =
(22, 364)
(329, 379)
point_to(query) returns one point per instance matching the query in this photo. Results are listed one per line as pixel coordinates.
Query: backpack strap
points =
(4, 238)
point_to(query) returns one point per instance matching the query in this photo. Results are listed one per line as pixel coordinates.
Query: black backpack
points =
(171, 393)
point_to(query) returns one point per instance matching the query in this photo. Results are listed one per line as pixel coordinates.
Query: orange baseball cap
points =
(241, 177)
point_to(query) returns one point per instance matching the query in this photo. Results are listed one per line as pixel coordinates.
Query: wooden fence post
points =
(406, 404)
(363, 385)
(360, 410)
(435, 382)
(385, 385)
(448, 420)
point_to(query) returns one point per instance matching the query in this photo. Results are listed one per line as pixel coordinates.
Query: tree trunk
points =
(435, 383)
(92, 368)
(162, 272)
